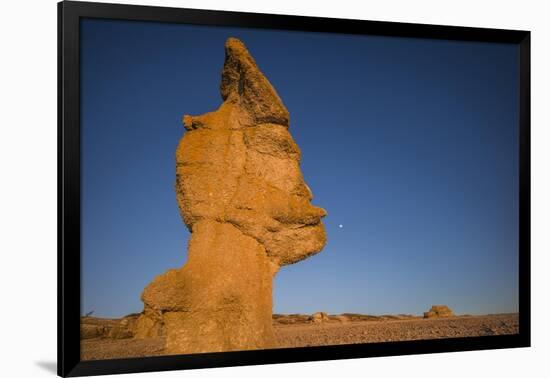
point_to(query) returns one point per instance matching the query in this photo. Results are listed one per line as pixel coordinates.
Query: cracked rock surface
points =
(242, 196)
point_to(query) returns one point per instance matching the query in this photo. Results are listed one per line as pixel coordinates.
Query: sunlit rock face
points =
(242, 195)
(439, 311)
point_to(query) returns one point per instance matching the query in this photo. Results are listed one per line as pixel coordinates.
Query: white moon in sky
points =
(340, 225)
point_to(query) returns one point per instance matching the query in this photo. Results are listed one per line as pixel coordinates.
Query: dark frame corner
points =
(69, 15)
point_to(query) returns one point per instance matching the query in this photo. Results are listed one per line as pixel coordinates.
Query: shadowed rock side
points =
(243, 197)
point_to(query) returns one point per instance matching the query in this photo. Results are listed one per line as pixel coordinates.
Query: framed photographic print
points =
(239, 188)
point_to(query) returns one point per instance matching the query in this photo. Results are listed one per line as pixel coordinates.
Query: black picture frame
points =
(69, 16)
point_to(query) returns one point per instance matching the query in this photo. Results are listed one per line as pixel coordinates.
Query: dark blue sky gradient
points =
(409, 144)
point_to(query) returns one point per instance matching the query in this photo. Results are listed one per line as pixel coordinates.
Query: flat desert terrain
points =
(297, 331)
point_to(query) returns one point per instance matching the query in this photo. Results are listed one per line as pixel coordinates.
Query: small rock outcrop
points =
(242, 196)
(93, 328)
(439, 311)
(319, 317)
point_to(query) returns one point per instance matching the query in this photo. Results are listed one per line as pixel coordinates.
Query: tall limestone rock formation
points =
(243, 197)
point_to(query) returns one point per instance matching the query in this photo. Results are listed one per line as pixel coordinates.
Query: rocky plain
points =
(114, 338)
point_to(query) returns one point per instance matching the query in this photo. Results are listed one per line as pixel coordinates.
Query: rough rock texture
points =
(91, 331)
(439, 311)
(243, 197)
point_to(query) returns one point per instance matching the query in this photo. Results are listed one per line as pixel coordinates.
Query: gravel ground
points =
(102, 349)
(301, 335)
(331, 333)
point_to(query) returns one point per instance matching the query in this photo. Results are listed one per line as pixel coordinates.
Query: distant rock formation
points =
(439, 311)
(319, 317)
(92, 327)
(243, 197)
(281, 319)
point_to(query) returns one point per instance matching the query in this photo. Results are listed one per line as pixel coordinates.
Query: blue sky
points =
(409, 144)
